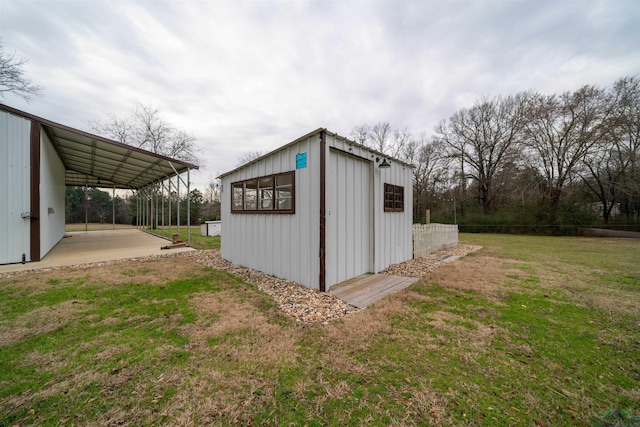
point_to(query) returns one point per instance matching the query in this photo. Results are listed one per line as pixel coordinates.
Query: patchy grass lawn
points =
(527, 331)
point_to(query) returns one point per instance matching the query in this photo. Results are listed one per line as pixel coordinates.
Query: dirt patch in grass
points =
(489, 276)
(154, 272)
(233, 328)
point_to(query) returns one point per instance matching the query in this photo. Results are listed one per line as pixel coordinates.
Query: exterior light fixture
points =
(384, 164)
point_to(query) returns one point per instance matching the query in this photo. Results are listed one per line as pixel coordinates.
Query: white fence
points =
(429, 238)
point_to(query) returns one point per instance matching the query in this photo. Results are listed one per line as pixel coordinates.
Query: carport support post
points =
(169, 196)
(146, 208)
(138, 208)
(86, 208)
(143, 208)
(142, 203)
(178, 210)
(162, 198)
(149, 209)
(188, 209)
(113, 205)
(155, 192)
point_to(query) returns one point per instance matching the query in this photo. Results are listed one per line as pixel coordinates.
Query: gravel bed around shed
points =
(295, 300)
(309, 305)
(420, 267)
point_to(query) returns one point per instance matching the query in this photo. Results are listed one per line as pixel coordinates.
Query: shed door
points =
(349, 217)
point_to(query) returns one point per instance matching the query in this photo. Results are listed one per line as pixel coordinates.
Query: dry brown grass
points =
(487, 275)
(38, 321)
(250, 335)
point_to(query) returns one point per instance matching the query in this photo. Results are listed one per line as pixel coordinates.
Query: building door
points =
(15, 189)
(349, 219)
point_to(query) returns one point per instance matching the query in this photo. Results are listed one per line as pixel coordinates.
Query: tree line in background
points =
(527, 162)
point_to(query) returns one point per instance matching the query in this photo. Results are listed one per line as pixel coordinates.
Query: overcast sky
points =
(254, 75)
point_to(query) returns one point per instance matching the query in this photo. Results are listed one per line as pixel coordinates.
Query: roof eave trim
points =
(60, 126)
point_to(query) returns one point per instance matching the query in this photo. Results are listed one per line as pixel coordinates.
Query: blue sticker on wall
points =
(301, 160)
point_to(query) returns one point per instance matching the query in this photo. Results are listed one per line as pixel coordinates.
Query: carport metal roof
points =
(100, 162)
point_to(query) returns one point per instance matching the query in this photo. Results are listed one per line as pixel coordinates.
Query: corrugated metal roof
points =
(96, 161)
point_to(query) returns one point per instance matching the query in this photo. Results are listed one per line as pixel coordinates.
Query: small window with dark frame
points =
(393, 198)
(267, 194)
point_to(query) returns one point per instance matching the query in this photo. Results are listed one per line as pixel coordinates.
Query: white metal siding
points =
(52, 195)
(211, 228)
(15, 184)
(393, 229)
(360, 236)
(349, 217)
(285, 245)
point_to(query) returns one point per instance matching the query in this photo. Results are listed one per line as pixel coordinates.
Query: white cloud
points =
(245, 76)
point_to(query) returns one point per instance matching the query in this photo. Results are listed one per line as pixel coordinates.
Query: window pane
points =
(251, 195)
(286, 179)
(284, 204)
(399, 198)
(284, 191)
(236, 198)
(388, 196)
(265, 193)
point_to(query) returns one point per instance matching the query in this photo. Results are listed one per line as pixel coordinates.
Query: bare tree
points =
(361, 134)
(379, 137)
(212, 198)
(611, 169)
(485, 138)
(382, 138)
(400, 141)
(144, 128)
(430, 171)
(120, 129)
(561, 131)
(626, 133)
(12, 77)
(249, 156)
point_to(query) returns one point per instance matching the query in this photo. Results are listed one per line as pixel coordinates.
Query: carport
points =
(37, 148)
(84, 247)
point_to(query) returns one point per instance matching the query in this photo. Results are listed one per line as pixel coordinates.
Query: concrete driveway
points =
(81, 247)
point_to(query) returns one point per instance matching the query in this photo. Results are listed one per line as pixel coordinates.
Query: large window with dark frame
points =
(267, 194)
(393, 198)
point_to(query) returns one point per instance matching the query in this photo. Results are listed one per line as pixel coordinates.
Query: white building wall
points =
(391, 231)
(52, 196)
(15, 184)
(285, 245)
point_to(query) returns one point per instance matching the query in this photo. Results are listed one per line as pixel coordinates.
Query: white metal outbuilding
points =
(39, 158)
(318, 211)
(211, 228)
